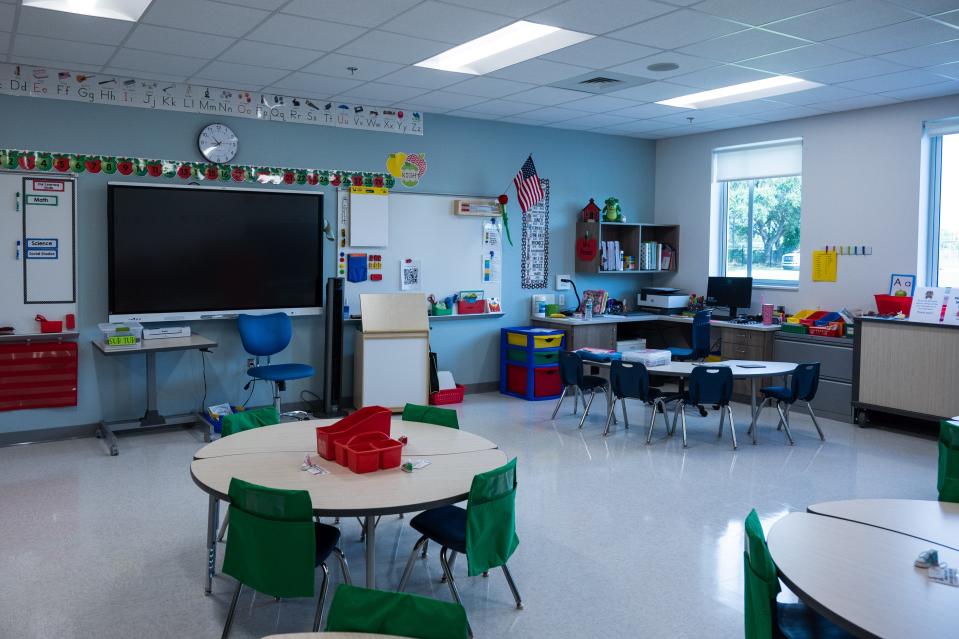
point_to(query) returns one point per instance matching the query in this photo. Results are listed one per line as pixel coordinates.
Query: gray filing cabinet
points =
(835, 354)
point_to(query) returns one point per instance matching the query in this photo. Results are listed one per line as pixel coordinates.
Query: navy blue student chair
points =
(631, 380)
(708, 385)
(572, 376)
(700, 340)
(803, 387)
(265, 336)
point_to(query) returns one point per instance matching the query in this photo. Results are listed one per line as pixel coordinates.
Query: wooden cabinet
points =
(742, 343)
(630, 236)
(580, 335)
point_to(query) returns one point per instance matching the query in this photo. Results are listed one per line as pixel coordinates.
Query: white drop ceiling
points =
(865, 52)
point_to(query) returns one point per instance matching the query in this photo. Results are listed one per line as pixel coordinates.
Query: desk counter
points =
(647, 317)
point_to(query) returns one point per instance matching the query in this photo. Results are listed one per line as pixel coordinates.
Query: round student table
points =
(741, 368)
(936, 522)
(862, 577)
(455, 456)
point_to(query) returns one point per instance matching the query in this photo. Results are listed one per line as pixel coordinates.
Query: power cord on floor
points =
(203, 353)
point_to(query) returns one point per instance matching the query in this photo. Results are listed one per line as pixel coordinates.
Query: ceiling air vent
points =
(592, 83)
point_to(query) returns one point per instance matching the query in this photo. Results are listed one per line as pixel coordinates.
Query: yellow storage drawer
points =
(540, 339)
(548, 341)
(516, 339)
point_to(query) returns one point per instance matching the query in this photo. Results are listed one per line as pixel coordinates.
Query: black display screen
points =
(206, 249)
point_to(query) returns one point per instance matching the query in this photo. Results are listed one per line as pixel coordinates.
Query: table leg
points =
(752, 406)
(370, 525)
(106, 433)
(212, 522)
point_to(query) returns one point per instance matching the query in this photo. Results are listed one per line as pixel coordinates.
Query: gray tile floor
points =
(618, 539)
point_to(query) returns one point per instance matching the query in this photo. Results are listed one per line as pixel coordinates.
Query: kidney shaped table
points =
(272, 456)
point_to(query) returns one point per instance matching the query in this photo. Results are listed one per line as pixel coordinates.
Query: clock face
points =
(218, 143)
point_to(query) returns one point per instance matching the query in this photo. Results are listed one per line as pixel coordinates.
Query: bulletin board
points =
(447, 250)
(38, 263)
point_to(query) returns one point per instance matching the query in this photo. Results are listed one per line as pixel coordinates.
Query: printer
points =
(662, 300)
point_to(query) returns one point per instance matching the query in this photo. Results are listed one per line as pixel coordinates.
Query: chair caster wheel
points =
(520, 606)
(486, 573)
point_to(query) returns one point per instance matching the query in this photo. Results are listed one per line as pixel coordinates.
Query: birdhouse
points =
(591, 212)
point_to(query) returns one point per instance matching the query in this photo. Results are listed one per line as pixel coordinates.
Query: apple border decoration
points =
(146, 167)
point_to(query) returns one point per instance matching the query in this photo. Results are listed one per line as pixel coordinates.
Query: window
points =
(760, 197)
(942, 267)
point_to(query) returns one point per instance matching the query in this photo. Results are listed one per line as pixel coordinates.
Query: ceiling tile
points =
(677, 29)
(842, 19)
(787, 113)
(743, 45)
(597, 120)
(547, 96)
(4, 44)
(445, 23)
(950, 70)
(601, 53)
(522, 119)
(66, 26)
(852, 70)
(600, 104)
(424, 78)
(808, 57)
(203, 15)
(505, 7)
(318, 85)
(393, 47)
(651, 92)
(7, 14)
(269, 55)
(383, 93)
(474, 115)
(650, 110)
(699, 117)
(447, 100)
(303, 32)
(927, 7)
(120, 72)
(89, 69)
(188, 43)
(858, 102)
(757, 12)
(489, 87)
(817, 94)
(363, 13)
(62, 50)
(927, 91)
(893, 81)
(502, 107)
(599, 16)
(927, 56)
(687, 64)
(635, 126)
(240, 75)
(950, 17)
(538, 71)
(556, 114)
(152, 61)
(338, 65)
(902, 35)
(722, 76)
(270, 5)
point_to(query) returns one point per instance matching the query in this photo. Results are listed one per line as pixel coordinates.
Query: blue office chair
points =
(265, 336)
(571, 375)
(708, 385)
(700, 340)
(803, 387)
(631, 379)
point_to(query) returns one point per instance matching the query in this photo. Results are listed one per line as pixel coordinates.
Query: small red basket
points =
(892, 304)
(448, 396)
(470, 308)
(833, 329)
(366, 420)
(370, 452)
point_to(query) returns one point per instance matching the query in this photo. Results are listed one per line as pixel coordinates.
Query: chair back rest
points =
(710, 385)
(248, 420)
(431, 415)
(947, 481)
(805, 382)
(264, 335)
(761, 583)
(272, 542)
(629, 379)
(491, 519)
(701, 337)
(570, 368)
(356, 609)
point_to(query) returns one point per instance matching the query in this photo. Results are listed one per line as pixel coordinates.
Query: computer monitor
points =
(733, 292)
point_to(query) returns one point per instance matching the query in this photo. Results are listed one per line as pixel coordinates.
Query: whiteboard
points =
(38, 276)
(423, 227)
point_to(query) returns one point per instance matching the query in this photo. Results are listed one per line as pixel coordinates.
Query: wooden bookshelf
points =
(630, 236)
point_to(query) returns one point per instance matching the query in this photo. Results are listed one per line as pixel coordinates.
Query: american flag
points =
(528, 190)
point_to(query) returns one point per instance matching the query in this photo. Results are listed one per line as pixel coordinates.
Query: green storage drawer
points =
(794, 328)
(540, 358)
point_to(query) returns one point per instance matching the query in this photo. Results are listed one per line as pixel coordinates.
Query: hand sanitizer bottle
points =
(588, 310)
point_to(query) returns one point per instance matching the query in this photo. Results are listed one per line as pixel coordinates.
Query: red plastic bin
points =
(368, 419)
(448, 396)
(812, 319)
(516, 379)
(470, 308)
(892, 304)
(370, 452)
(546, 381)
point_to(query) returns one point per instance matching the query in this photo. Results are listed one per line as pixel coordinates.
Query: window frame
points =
(934, 210)
(790, 285)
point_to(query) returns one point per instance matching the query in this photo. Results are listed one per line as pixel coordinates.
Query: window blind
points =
(770, 159)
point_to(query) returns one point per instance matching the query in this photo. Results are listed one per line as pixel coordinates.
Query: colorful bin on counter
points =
(529, 362)
(369, 452)
(893, 304)
(369, 419)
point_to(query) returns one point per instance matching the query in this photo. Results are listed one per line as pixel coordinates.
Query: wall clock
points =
(218, 143)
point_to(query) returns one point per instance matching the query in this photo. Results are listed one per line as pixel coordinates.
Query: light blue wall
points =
(464, 156)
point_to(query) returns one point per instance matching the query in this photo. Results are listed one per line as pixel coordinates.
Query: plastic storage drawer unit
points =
(529, 359)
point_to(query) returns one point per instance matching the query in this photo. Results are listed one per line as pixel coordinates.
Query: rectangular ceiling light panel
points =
(130, 10)
(765, 88)
(512, 44)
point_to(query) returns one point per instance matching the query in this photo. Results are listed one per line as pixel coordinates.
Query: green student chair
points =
(485, 531)
(356, 609)
(431, 415)
(766, 618)
(275, 546)
(948, 480)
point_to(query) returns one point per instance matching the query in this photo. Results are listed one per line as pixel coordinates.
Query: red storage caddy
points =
(370, 452)
(369, 419)
(464, 307)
